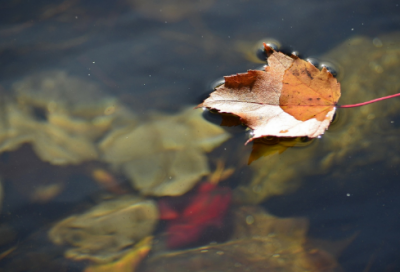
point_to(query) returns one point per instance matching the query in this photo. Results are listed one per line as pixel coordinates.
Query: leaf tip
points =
(268, 49)
(199, 106)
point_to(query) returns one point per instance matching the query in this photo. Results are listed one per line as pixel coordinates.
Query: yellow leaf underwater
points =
(127, 263)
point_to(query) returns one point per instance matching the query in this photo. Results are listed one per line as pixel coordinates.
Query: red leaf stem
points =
(369, 102)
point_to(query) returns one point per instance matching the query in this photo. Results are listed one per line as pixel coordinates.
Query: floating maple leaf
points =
(290, 98)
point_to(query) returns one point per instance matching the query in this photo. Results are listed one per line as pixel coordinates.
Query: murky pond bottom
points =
(105, 165)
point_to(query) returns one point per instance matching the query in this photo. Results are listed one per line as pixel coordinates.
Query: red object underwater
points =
(207, 208)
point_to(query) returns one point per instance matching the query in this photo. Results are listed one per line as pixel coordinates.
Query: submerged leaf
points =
(165, 156)
(107, 231)
(263, 147)
(128, 262)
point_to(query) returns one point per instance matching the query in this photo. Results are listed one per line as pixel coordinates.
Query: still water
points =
(106, 166)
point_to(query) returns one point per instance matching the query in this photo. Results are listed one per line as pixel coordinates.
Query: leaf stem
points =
(368, 102)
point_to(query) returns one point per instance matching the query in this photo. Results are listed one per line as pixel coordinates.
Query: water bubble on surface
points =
(330, 67)
(313, 61)
(262, 67)
(271, 42)
(295, 53)
(250, 133)
(274, 44)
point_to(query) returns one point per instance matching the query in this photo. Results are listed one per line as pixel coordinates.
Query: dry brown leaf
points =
(291, 98)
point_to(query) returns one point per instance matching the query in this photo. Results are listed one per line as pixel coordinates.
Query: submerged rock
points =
(368, 69)
(165, 156)
(107, 231)
(261, 242)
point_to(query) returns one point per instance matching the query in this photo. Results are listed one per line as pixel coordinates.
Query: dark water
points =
(162, 55)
